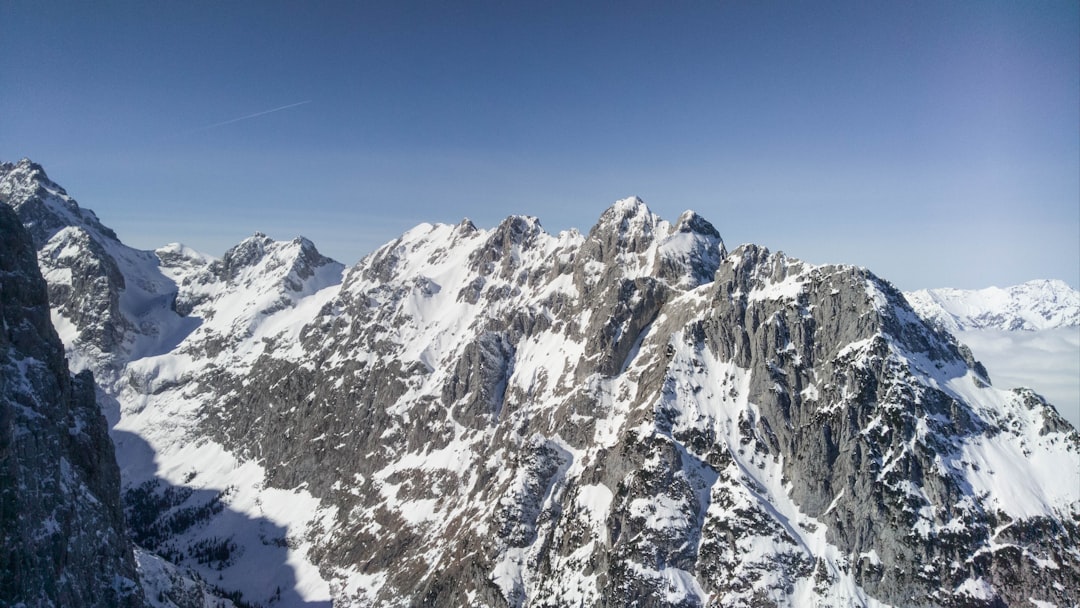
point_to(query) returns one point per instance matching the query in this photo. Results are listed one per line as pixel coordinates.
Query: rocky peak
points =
(245, 254)
(635, 416)
(466, 227)
(298, 256)
(28, 176)
(75, 253)
(691, 222)
(626, 208)
(177, 255)
(874, 310)
(754, 268)
(43, 206)
(308, 257)
(690, 255)
(625, 227)
(519, 229)
(505, 244)
(800, 410)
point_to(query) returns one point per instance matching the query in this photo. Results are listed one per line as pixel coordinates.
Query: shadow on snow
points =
(239, 557)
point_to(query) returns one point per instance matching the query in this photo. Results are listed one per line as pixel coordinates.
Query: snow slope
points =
(1025, 335)
(145, 320)
(249, 537)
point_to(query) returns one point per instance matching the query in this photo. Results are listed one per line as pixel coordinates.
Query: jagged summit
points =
(505, 417)
(519, 228)
(114, 302)
(690, 221)
(31, 175)
(466, 226)
(43, 206)
(628, 222)
(627, 207)
(258, 256)
(245, 254)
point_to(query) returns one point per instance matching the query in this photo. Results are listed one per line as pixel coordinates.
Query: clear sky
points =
(937, 143)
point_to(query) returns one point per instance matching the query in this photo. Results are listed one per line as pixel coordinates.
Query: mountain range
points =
(1026, 335)
(506, 417)
(1032, 306)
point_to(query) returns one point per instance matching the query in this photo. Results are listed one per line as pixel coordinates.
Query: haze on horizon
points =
(935, 143)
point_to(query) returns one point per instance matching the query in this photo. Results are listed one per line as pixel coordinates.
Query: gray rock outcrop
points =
(64, 541)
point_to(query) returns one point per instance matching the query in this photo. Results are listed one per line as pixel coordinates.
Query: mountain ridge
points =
(509, 417)
(1034, 305)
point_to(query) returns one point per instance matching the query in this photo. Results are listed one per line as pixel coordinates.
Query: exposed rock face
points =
(634, 416)
(64, 541)
(872, 435)
(111, 303)
(84, 279)
(637, 416)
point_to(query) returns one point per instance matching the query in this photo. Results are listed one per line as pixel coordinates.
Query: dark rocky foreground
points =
(64, 542)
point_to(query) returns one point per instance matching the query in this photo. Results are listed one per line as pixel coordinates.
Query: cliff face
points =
(64, 541)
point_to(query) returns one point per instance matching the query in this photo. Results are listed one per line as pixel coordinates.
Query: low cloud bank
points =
(1047, 361)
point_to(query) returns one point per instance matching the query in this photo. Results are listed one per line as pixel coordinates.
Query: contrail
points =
(229, 122)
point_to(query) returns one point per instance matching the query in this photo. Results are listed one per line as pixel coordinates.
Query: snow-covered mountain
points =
(117, 308)
(1026, 335)
(1032, 306)
(508, 417)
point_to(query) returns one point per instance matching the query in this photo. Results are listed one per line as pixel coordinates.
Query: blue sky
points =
(937, 143)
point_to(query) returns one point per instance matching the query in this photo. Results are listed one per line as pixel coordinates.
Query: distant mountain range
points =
(1032, 306)
(1026, 335)
(505, 417)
